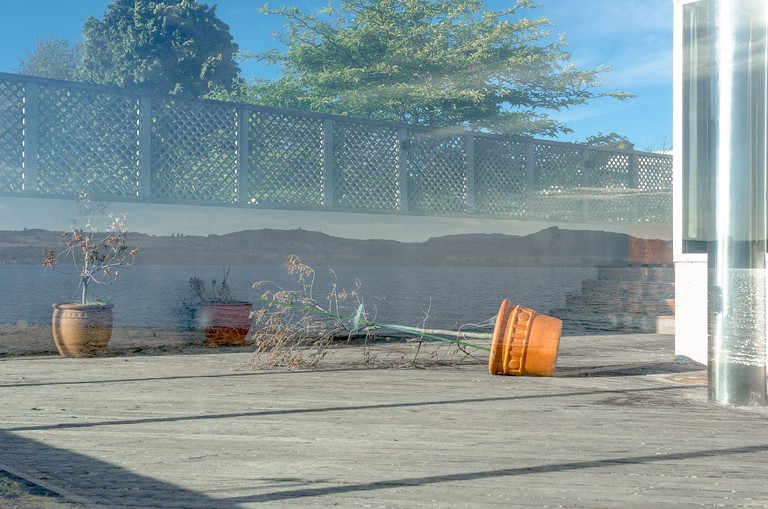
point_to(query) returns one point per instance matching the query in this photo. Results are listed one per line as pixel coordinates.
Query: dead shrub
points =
(293, 330)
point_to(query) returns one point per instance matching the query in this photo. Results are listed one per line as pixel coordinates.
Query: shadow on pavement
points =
(506, 472)
(85, 480)
(349, 408)
(625, 369)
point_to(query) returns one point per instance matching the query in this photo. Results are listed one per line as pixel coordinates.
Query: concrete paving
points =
(621, 425)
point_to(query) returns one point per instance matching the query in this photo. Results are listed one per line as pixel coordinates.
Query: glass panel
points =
(695, 128)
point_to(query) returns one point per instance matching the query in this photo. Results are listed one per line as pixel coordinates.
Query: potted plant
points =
(224, 320)
(83, 329)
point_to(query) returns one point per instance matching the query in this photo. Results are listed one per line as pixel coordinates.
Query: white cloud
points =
(601, 18)
(632, 37)
(645, 70)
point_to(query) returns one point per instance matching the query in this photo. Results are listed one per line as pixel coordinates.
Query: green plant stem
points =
(399, 328)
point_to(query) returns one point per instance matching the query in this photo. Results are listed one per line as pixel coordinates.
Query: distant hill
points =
(549, 247)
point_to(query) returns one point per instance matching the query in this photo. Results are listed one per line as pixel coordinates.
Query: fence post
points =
(31, 136)
(402, 163)
(469, 153)
(530, 180)
(243, 168)
(328, 163)
(585, 182)
(145, 147)
(634, 183)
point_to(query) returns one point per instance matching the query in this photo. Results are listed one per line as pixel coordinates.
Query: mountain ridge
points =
(549, 247)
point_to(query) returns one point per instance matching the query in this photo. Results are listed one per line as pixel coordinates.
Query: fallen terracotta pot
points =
(524, 342)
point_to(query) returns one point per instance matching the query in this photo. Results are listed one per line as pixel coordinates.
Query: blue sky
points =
(633, 37)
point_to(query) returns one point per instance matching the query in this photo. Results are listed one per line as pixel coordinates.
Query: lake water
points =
(154, 296)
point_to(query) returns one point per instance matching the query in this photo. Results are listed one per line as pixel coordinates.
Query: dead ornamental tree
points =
(83, 328)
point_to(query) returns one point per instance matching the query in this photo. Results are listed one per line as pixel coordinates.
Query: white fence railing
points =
(59, 138)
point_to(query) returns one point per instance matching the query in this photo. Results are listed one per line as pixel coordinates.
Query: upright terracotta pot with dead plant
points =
(84, 328)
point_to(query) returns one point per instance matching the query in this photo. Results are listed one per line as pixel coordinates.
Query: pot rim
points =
(78, 305)
(233, 303)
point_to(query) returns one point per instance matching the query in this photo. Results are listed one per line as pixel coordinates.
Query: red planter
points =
(224, 324)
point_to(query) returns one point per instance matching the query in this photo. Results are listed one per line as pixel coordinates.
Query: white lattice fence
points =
(437, 177)
(366, 168)
(194, 152)
(11, 136)
(286, 161)
(87, 141)
(60, 138)
(501, 177)
(654, 182)
(558, 183)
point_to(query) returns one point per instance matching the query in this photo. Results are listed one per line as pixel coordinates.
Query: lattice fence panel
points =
(608, 196)
(286, 161)
(500, 177)
(88, 142)
(558, 177)
(11, 137)
(437, 177)
(609, 170)
(654, 176)
(194, 152)
(366, 171)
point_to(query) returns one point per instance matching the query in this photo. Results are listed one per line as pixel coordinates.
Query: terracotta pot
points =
(224, 323)
(524, 342)
(81, 330)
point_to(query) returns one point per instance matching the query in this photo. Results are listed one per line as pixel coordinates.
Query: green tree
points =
(611, 140)
(53, 58)
(427, 62)
(171, 46)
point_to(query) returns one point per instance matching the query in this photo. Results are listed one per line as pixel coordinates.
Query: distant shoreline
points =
(551, 247)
